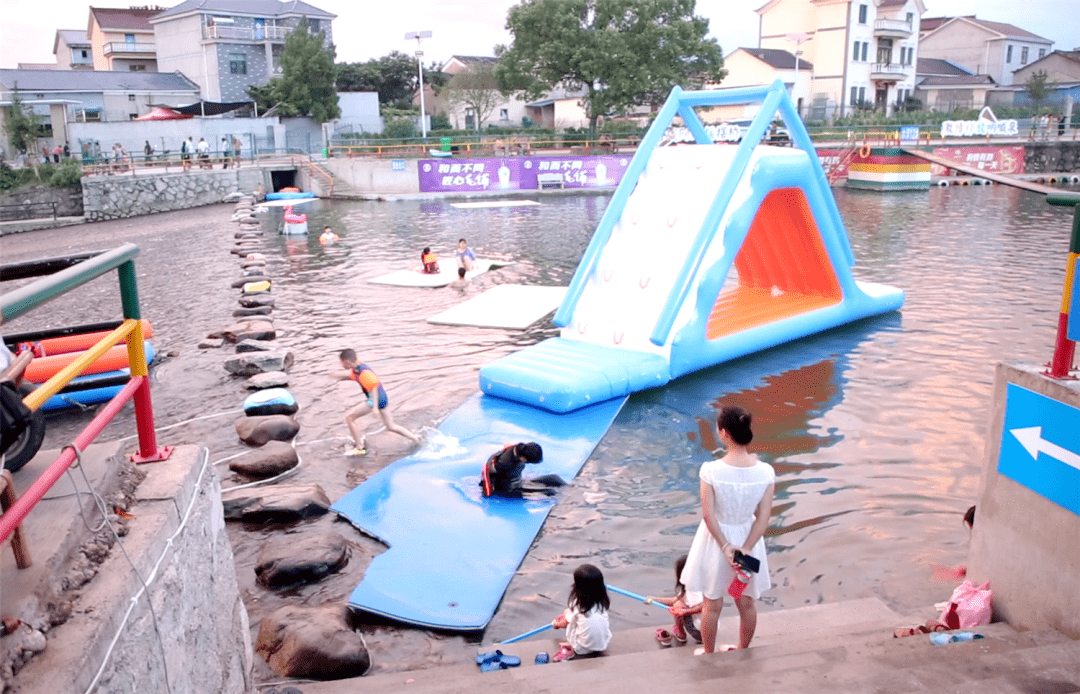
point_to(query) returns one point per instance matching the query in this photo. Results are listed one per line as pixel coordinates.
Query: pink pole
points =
(21, 508)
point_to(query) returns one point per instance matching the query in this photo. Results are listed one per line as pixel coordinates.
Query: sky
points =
(372, 28)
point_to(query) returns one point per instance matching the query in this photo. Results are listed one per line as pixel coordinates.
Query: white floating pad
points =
(447, 274)
(493, 203)
(504, 306)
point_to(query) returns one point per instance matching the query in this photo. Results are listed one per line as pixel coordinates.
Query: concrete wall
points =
(116, 197)
(376, 175)
(1023, 543)
(168, 134)
(202, 636)
(180, 49)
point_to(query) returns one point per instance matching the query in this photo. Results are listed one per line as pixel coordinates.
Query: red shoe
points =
(663, 636)
(565, 653)
(679, 632)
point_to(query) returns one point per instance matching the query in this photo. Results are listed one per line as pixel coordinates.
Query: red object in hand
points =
(738, 584)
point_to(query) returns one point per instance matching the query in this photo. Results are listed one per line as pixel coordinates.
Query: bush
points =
(67, 173)
(440, 121)
(399, 129)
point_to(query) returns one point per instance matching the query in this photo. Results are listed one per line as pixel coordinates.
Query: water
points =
(876, 429)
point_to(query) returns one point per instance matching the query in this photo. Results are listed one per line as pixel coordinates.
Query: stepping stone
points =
(259, 362)
(278, 503)
(273, 458)
(299, 558)
(255, 431)
(312, 643)
(270, 379)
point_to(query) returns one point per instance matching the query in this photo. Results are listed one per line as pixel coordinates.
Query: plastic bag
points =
(969, 606)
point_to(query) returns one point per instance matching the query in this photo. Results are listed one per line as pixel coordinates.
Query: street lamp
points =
(797, 38)
(420, 68)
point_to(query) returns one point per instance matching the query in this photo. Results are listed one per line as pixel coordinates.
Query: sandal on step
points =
(565, 653)
(663, 636)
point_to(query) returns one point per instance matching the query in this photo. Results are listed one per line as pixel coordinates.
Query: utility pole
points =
(418, 35)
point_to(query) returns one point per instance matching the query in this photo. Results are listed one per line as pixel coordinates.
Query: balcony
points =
(888, 72)
(232, 33)
(130, 48)
(892, 28)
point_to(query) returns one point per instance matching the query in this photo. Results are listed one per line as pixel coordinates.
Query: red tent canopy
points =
(162, 113)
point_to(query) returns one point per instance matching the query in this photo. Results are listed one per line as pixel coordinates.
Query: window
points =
(237, 64)
(1042, 53)
(1008, 54)
(133, 116)
(862, 94)
(855, 55)
(131, 97)
(1023, 55)
(504, 114)
(865, 48)
(854, 95)
(862, 14)
(910, 18)
(129, 38)
(84, 54)
(136, 68)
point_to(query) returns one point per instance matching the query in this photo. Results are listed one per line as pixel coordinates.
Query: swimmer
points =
(328, 235)
(376, 400)
(465, 257)
(430, 261)
(501, 475)
(460, 282)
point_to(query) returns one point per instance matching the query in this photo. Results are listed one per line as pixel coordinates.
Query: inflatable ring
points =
(1074, 179)
(977, 182)
(1052, 179)
(943, 183)
(1040, 180)
(295, 218)
(864, 151)
(289, 189)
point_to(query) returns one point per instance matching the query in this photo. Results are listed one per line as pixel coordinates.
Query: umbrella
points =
(162, 113)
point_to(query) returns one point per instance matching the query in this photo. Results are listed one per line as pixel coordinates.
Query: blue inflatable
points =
(270, 401)
(289, 195)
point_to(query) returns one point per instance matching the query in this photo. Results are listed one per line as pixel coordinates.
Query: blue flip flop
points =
(509, 661)
(491, 665)
(491, 656)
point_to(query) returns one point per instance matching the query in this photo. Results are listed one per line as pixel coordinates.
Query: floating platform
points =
(510, 306)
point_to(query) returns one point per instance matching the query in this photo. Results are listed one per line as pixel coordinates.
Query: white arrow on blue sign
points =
(1040, 446)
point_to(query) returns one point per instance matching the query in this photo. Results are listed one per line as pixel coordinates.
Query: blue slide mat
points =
(452, 552)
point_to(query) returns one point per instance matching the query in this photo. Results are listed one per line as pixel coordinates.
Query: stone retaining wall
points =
(1052, 157)
(115, 197)
(69, 200)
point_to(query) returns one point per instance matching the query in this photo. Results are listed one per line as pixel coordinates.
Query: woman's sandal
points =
(663, 636)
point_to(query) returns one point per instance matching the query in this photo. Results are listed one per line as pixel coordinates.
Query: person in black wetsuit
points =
(501, 475)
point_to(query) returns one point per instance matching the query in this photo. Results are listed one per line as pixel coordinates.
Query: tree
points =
(1038, 88)
(23, 127)
(623, 52)
(393, 76)
(306, 85)
(476, 88)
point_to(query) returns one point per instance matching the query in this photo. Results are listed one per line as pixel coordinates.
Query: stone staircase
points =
(837, 648)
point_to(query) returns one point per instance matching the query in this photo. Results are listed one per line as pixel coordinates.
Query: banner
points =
(1002, 160)
(520, 173)
(832, 159)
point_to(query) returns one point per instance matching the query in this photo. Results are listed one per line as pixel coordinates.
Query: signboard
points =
(1002, 160)
(1074, 306)
(1040, 446)
(519, 173)
(397, 165)
(909, 134)
(987, 124)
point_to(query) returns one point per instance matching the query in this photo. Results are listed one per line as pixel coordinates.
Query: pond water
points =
(876, 430)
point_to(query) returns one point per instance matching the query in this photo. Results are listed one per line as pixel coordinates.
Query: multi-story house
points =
(226, 46)
(747, 66)
(506, 110)
(981, 47)
(863, 51)
(72, 50)
(122, 39)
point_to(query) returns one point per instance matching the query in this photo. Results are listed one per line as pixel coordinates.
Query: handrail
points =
(28, 297)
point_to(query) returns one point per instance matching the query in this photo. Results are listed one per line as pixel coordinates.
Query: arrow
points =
(1033, 442)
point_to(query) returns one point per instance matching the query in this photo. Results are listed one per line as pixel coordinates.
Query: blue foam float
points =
(289, 195)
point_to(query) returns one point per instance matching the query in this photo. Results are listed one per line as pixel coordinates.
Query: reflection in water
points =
(876, 430)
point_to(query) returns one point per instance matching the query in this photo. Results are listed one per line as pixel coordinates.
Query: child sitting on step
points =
(585, 619)
(683, 607)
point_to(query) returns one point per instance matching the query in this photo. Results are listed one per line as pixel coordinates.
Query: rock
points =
(237, 284)
(211, 343)
(273, 458)
(259, 362)
(278, 503)
(257, 311)
(257, 300)
(253, 273)
(312, 643)
(249, 330)
(247, 264)
(256, 431)
(246, 345)
(270, 379)
(300, 559)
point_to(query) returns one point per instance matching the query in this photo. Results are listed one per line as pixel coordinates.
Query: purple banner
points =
(520, 173)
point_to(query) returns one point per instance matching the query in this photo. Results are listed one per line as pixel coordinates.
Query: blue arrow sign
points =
(1074, 305)
(1040, 446)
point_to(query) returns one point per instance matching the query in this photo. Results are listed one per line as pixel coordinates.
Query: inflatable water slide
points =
(706, 252)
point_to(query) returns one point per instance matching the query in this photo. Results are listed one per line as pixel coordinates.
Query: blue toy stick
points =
(527, 634)
(635, 596)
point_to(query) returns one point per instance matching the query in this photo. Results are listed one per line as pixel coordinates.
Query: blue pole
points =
(527, 634)
(635, 596)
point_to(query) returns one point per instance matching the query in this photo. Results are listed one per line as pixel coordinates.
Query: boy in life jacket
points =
(430, 261)
(501, 475)
(376, 400)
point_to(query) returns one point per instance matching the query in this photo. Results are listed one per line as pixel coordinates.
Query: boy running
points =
(376, 399)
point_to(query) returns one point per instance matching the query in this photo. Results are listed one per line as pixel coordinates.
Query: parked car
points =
(735, 130)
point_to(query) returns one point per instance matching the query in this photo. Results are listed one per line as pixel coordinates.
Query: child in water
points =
(501, 475)
(585, 619)
(683, 607)
(430, 261)
(328, 235)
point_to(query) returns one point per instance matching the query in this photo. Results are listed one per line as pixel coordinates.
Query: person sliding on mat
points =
(501, 475)
(376, 399)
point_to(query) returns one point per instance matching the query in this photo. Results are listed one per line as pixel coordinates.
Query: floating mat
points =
(504, 306)
(493, 203)
(447, 274)
(453, 552)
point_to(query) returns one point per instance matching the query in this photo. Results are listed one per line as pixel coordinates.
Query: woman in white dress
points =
(736, 501)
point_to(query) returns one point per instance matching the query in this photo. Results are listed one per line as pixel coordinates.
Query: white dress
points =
(737, 492)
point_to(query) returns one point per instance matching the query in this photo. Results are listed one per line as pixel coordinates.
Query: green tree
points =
(623, 52)
(1038, 88)
(23, 126)
(394, 76)
(306, 85)
(477, 88)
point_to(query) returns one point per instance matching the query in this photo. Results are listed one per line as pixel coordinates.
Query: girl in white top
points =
(585, 618)
(736, 501)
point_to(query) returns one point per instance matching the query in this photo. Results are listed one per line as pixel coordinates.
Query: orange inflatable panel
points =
(42, 369)
(78, 343)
